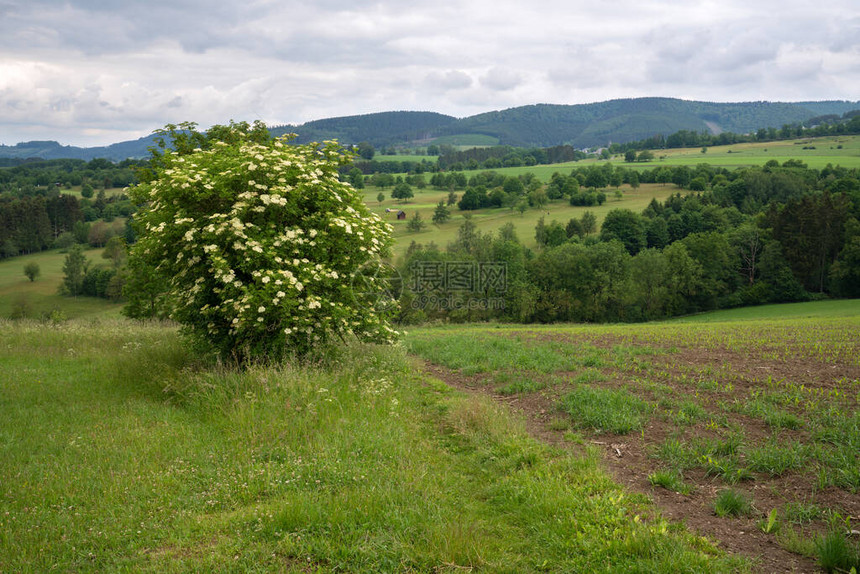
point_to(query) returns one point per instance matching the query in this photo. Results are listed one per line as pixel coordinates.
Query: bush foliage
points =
(258, 241)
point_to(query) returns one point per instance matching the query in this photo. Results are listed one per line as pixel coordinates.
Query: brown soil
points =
(627, 457)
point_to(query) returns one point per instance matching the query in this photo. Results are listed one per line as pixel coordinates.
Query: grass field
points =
(109, 192)
(844, 308)
(749, 414)
(21, 297)
(398, 157)
(491, 220)
(123, 452)
(826, 151)
(467, 141)
(815, 152)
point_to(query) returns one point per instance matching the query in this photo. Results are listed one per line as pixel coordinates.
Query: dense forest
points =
(381, 129)
(38, 210)
(759, 235)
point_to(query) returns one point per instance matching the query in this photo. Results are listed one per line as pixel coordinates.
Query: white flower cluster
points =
(259, 241)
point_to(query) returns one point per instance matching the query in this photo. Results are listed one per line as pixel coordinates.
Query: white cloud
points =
(98, 71)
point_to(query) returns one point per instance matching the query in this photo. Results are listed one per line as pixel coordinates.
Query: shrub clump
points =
(258, 241)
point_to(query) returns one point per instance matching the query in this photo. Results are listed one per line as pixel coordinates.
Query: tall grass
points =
(605, 410)
(123, 451)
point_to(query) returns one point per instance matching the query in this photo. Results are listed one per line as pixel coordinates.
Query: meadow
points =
(816, 152)
(20, 297)
(489, 448)
(123, 450)
(491, 220)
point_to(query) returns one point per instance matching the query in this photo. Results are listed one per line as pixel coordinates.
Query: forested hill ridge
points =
(625, 120)
(134, 149)
(381, 129)
(540, 125)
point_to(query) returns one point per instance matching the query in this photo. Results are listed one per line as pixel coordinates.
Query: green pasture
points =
(399, 157)
(19, 296)
(826, 151)
(466, 141)
(491, 220)
(843, 308)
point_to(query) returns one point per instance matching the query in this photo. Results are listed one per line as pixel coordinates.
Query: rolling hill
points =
(620, 121)
(539, 125)
(385, 128)
(54, 150)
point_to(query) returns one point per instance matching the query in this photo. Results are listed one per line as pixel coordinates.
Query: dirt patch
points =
(719, 380)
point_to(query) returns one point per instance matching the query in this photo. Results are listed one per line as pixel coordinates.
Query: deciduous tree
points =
(32, 270)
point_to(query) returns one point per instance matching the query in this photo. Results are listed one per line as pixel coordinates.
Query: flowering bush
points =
(259, 240)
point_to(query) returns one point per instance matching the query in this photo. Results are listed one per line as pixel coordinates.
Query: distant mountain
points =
(541, 125)
(620, 121)
(53, 150)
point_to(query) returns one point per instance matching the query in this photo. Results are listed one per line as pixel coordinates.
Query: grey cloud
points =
(450, 80)
(111, 27)
(101, 65)
(847, 38)
(500, 79)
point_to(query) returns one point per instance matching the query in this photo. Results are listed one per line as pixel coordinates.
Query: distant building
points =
(401, 214)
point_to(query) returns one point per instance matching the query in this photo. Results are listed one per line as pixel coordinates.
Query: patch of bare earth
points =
(629, 458)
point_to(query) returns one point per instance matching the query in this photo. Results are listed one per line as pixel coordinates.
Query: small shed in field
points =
(401, 214)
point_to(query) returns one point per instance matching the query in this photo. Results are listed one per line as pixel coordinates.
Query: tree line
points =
(33, 176)
(31, 224)
(778, 233)
(760, 235)
(38, 211)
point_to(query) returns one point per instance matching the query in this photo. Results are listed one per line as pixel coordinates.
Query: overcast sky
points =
(94, 72)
